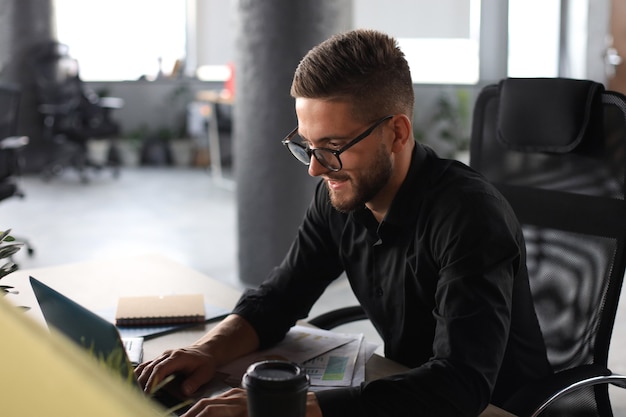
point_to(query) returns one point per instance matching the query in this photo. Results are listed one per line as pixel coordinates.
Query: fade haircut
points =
(363, 67)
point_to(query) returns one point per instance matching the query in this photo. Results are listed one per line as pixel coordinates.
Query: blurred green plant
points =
(117, 360)
(449, 122)
(8, 247)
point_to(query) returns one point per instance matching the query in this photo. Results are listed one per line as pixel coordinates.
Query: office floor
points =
(180, 213)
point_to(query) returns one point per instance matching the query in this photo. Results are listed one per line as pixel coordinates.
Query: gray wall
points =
(154, 104)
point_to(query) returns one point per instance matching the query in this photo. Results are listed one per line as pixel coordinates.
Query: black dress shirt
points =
(443, 279)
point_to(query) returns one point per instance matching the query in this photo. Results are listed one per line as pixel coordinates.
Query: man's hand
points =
(234, 403)
(195, 366)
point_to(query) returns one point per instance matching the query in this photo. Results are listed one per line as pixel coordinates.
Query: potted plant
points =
(8, 247)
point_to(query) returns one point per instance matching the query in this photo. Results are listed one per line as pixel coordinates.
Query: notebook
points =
(101, 339)
(160, 310)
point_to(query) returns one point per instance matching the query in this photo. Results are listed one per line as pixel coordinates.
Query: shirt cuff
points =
(341, 402)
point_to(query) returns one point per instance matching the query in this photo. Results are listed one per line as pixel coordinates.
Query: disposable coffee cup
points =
(276, 389)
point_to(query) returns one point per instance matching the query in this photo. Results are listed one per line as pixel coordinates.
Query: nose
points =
(315, 168)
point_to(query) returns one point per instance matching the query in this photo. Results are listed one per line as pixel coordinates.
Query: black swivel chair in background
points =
(556, 149)
(72, 114)
(10, 145)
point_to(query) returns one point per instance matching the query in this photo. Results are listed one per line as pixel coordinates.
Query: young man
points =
(433, 252)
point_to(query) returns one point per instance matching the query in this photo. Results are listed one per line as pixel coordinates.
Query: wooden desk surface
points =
(98, 284)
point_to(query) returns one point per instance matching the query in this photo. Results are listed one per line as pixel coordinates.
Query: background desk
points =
(215, 100)
(97, 285)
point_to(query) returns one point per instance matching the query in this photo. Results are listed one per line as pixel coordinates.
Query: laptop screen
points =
(98, 336)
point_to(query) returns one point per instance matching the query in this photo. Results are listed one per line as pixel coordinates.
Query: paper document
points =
(299, 345)
(330, 359)
(341, 367)
(335, 368)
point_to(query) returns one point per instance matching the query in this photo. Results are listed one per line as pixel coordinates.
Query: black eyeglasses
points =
(329, 158)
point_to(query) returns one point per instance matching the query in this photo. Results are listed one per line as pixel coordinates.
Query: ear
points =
(403, 132)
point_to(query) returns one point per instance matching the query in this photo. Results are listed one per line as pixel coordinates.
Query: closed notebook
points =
(160, 310)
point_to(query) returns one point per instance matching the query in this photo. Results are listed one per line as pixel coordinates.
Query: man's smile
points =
(336, 183)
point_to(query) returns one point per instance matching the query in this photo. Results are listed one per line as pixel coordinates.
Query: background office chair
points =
(10, 145)
(556, 148)
(72, 114)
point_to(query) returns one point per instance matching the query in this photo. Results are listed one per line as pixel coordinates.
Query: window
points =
(534, 38)
(122, 40)
(440, 39)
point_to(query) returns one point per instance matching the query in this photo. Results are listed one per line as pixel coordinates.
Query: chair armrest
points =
(534, 398)
(338, 317)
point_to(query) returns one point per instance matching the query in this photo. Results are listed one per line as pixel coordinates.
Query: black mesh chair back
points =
(10, 147)
(9, 107)
(556, 149)
(72, 113)
(61, 93)
(56, 75)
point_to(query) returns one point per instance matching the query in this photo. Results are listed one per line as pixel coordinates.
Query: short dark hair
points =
(364, 67)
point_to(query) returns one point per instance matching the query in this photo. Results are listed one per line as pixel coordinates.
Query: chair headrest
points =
(546, 114)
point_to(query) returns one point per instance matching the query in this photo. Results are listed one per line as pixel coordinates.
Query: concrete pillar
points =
(24, 24)
(273, 189)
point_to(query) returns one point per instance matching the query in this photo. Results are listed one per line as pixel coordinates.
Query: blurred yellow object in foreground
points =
(43, 374)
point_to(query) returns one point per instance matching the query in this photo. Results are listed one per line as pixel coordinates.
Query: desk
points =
(213, 98)
(98, 284)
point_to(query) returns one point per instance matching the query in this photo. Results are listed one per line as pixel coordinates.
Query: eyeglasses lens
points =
(327, 159)
(304, 154)
(299, 152)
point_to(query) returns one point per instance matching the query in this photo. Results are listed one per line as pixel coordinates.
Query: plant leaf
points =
(8, 250)
(5, 235)
(7, 268)
(161, 384)
(177, 407)
(7, 289)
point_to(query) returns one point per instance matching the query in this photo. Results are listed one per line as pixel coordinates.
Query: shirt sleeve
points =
(292, 288)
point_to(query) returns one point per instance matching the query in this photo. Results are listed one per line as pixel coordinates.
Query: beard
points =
(364, 187)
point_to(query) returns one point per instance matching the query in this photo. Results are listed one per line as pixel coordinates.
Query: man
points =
(433, 253)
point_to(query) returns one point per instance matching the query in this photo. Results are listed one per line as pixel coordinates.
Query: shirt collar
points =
(404, 205)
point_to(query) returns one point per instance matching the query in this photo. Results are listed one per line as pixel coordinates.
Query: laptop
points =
(86, 328)
(102, 340)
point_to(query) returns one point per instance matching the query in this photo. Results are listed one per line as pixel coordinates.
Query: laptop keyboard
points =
(134, 349)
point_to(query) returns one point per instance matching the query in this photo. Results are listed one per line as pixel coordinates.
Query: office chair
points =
(72, 114)
(556, 149)
(10, 145)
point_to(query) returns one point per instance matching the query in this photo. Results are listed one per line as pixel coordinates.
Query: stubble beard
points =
(363, 188)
